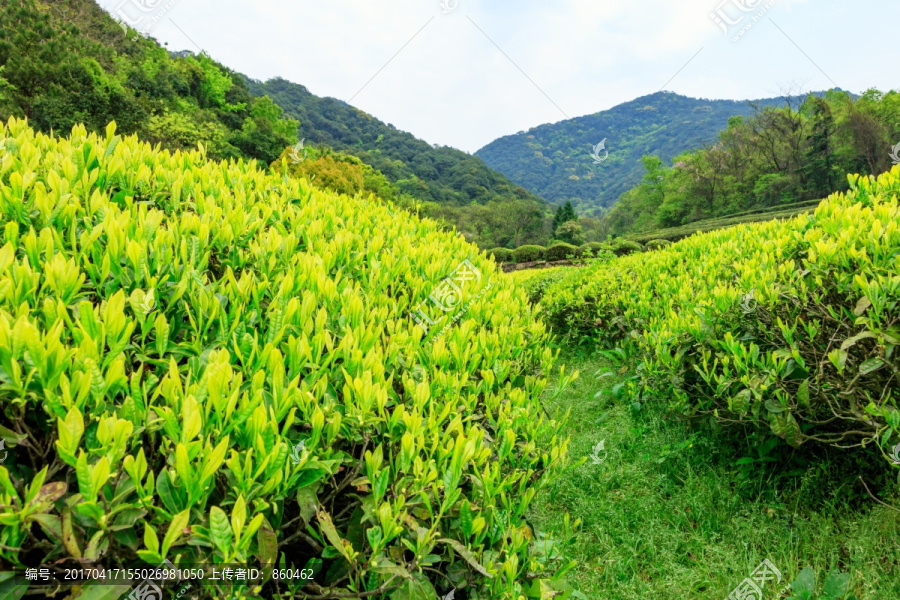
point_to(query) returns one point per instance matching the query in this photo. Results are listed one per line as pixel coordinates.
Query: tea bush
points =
(529, 253)
(592, 248)
(561, 251)
(501, 255)
(790, 325)
(657, 244)
(209, 363)
(534, 282)
(621, 247)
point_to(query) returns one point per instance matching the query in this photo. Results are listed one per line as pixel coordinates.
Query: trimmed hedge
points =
(657, 244)
(501, 255)
(212, 364)
(529, 253)
(561, 251)
(621, 247)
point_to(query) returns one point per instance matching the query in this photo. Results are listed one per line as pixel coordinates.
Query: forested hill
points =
(67, 62)
(435, 174)
(64, 62)
(555, 162)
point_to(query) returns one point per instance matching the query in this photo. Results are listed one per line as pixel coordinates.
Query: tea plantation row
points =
(209, 363)
(788, 326)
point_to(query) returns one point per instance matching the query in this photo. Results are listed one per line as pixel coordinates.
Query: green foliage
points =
(501, 255)
(657, 244)
(555, 162)
(432, 174)
(570, 232)
(592, 248)
(788, 326)
(338, 172)
(621, 247)
(534, 282)
(808, 508)
(561, 252)
(58, 74)
(215, 84)
(529, 253)
(673, 234)
(214, 364)
(835, 586)
(507, 223)
(81, 69)
(178, 131)
(563, 214)
(777, 158)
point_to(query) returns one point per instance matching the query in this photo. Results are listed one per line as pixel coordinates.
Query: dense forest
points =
(556, 160)
(777, 158)
(67, 62)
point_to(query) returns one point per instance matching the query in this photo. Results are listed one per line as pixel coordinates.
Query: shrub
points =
(526, 254)
(621, 247)
(501, 255)
(208, 363)
(534, 282)
(592, 248)
(657, 244)
(790, 326)
(561, 252)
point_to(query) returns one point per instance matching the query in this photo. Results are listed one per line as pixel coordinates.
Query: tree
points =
(570, 232)
(563, 213)
(817, 170)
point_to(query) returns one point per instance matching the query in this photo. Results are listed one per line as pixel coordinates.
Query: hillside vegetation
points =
(555, 162)
(67, 62)
(211, 364)
(743, 407)
(435, 174)
(751, 216)
(770, 162)
(450, 185)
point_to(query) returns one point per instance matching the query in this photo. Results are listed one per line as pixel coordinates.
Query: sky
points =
(462, 73)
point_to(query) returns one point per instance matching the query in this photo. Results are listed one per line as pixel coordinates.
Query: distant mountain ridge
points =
(555, 160)
(432, 173)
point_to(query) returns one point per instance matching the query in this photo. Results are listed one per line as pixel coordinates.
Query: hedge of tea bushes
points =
(792, 326)
(208, 363)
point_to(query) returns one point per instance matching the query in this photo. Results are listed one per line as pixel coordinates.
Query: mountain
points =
(67, 61)
(431, 173)
(778, 162)
(555, 160)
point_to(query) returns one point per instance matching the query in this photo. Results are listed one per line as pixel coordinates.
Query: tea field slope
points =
(738, 403)
(785, 326)
(209, 363)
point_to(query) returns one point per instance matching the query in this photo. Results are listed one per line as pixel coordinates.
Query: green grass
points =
(669, 514)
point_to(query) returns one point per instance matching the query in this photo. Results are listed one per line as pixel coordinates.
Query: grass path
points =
(669, 514)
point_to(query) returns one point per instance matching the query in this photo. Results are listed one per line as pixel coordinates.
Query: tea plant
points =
(208, 363)
(790, 326)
